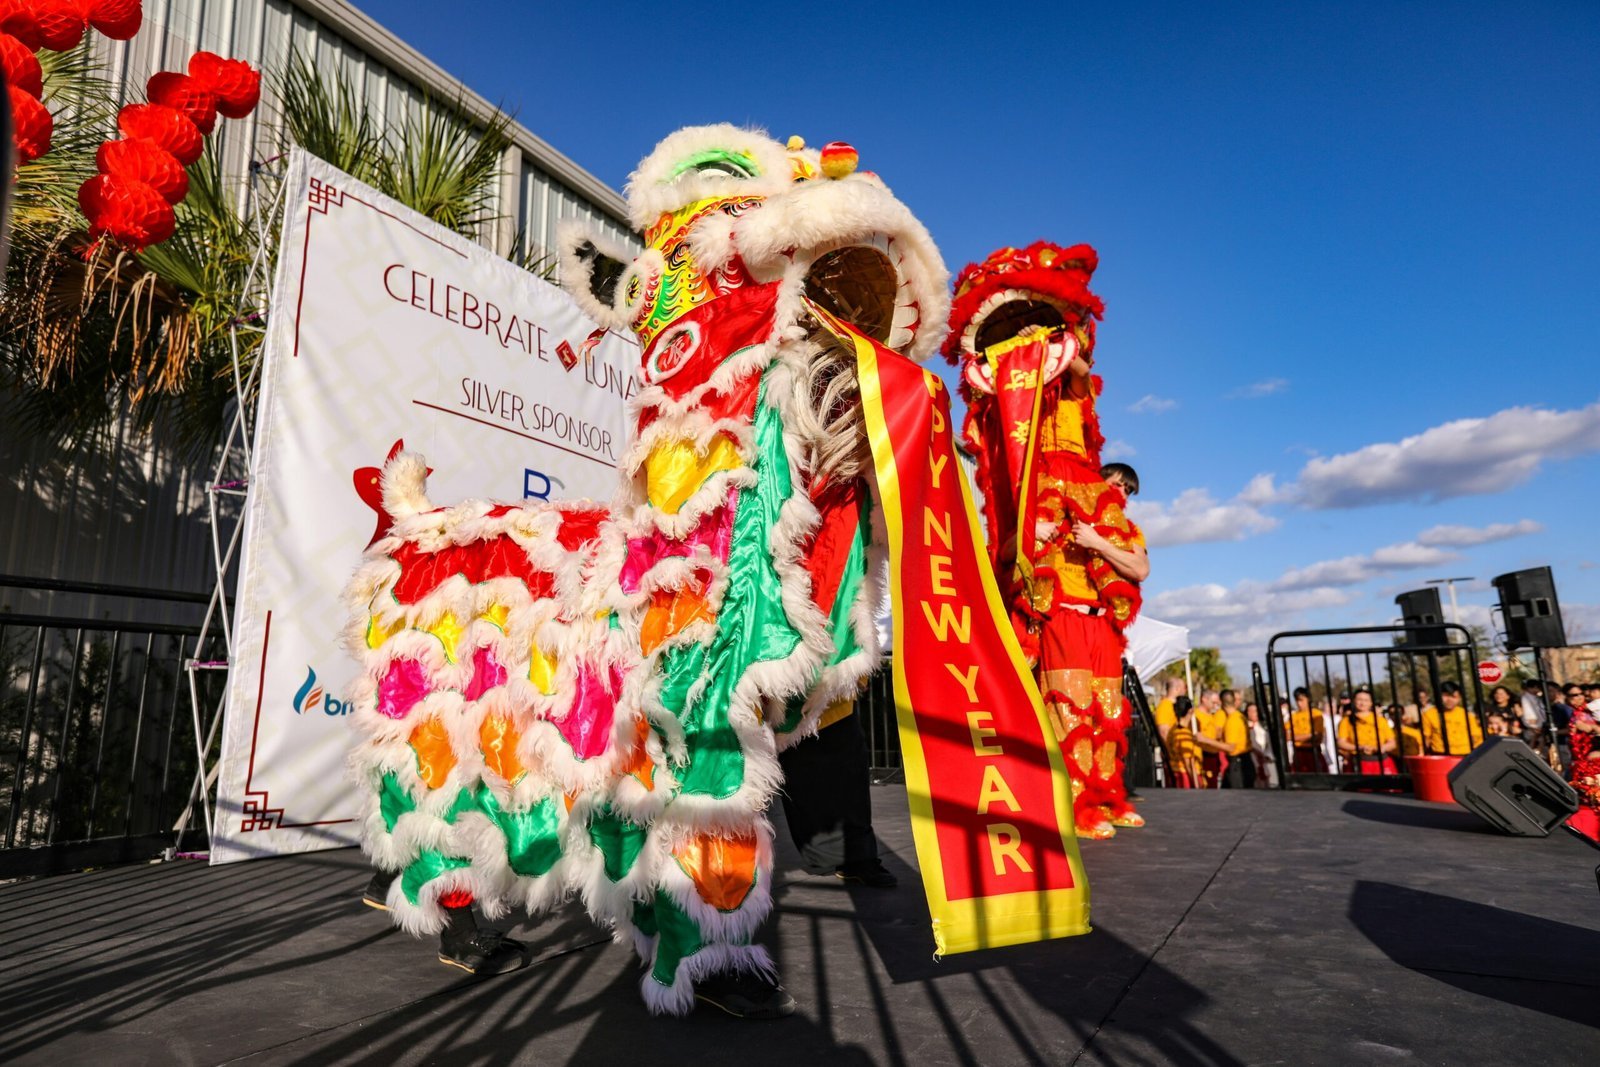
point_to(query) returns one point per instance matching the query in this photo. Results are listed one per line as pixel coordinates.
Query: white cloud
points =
(1256, 390)
(1468, 536)
(1195, 516)
(1353, 570)
(1260, 491)
(1150, 404)
(1458, 458)
(1241, 619)
(1117, 449)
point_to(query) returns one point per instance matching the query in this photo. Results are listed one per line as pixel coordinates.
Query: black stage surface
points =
(1305, 928)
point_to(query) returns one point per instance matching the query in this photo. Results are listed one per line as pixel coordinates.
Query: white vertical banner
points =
(384, 328)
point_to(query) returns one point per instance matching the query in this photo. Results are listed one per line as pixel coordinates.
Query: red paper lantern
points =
(31, 125)
(236, 83)
(21, 65)
(61, 22)
(130, 211)
(169, 128)
(147, 162)
(16, 18)
(185, 94)
(117, 19)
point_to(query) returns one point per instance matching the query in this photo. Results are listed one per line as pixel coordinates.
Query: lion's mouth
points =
(865, 284)
(1011, 317)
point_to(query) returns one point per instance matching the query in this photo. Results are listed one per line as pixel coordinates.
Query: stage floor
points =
(1237, 928)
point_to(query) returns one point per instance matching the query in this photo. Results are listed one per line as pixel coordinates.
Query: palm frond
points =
(441, 165)
(328, 119)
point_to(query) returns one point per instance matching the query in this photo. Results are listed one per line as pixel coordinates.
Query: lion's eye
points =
(717, 163)
(720, 169)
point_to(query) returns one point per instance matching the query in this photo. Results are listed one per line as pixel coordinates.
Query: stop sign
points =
(1489, 672)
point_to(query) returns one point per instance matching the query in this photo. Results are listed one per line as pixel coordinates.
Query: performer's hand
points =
(1088, 537)
(1043, 531)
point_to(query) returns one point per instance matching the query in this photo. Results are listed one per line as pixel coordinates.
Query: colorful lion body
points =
(575, 697)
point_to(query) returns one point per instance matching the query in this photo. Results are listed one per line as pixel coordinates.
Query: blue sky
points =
(1328, 235)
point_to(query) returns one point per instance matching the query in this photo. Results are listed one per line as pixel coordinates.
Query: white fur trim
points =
(653, 188)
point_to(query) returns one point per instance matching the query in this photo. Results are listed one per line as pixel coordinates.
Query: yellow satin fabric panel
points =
(674, 470)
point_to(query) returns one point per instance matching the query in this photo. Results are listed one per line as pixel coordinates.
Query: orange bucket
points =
(1430, 777)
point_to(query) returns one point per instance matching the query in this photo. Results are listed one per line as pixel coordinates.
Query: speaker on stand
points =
(1420, 607)
(1530, 610)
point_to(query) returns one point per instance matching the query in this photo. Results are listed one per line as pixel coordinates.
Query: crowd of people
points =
(1223, 741)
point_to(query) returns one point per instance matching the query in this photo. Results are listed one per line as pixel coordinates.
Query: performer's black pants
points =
(827, 800)
(1241, 772)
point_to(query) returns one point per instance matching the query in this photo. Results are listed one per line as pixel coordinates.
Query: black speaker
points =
(1530, 609)
(1507, 785)
(1420, 607)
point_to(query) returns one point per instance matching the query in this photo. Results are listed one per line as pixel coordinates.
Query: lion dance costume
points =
(1018, 321)
(570, 697)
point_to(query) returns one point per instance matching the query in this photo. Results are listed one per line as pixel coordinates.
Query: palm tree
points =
(89, 330)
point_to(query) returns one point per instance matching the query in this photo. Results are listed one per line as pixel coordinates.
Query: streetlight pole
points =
(1450, 583)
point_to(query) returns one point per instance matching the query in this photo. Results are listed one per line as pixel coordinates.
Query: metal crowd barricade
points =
(1396, 673)
(1145, 763)
(875, 705)
(95, 760)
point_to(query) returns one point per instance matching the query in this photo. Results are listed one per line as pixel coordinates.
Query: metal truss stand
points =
(230, 481)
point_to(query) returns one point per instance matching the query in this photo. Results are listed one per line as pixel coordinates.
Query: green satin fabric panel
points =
(393, 801)
(424, 869)
(752, 626)
(677, 938)
(619, 842)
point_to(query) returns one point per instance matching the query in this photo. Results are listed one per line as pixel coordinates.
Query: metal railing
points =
(1397, 673)
(875, 705)
(1145, 762)
(95, 759)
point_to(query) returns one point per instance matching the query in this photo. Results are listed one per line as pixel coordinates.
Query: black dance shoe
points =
(745, 995)
(873, 875)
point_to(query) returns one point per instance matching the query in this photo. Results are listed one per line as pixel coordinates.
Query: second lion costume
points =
(1023, 331)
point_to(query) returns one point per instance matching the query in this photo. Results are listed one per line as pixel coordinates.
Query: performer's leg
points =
(827, 802)
(1111, 752)
(475, 949)
(1066, 677)
(376, 895)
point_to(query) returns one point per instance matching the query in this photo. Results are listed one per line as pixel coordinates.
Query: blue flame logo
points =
(309, 695)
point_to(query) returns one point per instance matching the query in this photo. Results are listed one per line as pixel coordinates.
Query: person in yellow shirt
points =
(1210, 722)
(1241, 769)
(1367, 739)
(1410, 733)
(1164, 713)
(1306, 731)
(1183, 752)
(1455, 731)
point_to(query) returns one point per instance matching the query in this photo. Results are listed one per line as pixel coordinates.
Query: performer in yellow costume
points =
(1065, 552)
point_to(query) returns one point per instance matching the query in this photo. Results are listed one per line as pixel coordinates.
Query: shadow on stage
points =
(1422, 815)
(1496, 953)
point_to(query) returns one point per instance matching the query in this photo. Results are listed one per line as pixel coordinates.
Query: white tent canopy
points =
(1153, 644)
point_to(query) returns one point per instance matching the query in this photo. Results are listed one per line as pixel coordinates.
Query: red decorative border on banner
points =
(323, 196)
(257, 810)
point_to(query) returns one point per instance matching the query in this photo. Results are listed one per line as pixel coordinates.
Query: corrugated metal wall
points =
(123, 508)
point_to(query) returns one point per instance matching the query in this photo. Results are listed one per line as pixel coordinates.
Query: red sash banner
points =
(991, 804)
(1019, 394)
